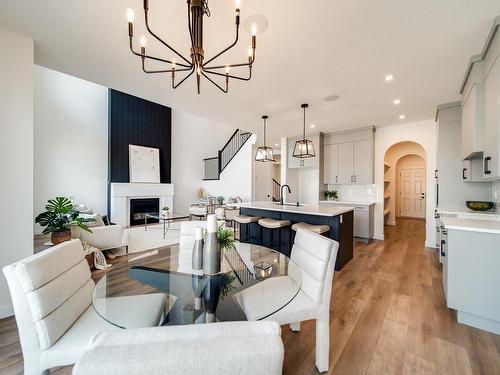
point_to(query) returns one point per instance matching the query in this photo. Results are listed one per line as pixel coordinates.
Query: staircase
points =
(276, 191)
(213, 167)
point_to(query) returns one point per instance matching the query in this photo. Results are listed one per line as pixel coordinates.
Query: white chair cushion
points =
(198, 210)
(273, 224)
(70, 347)
(312, 228)
(244, 219)
(39, 269)
(299, 309)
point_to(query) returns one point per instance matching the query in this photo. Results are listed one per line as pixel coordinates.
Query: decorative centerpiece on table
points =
(331, 195)
(165, 211)
(217, 239)
(59, 217)
(220, 200)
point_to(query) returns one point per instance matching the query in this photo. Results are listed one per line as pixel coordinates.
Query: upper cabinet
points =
(473, 113)
(348, 157)
(481, 107)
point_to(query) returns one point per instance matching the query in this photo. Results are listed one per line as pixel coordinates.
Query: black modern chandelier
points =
(304, 148)
(264, 153)
(195, 64)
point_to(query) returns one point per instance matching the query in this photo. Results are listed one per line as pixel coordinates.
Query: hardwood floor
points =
(388, 316)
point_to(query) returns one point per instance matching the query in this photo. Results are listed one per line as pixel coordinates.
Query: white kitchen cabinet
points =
(331, 160)
(473, 113)
(472, 170)
(491, 155)
(363, 162)
(346, 163)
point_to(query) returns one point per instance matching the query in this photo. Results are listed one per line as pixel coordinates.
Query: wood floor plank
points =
(387, 315)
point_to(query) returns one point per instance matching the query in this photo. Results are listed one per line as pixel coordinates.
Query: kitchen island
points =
(340, 220)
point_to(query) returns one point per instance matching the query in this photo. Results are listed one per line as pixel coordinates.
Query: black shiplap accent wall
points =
(136, 121)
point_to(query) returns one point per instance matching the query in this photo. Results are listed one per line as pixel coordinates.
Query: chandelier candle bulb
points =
(130, 15)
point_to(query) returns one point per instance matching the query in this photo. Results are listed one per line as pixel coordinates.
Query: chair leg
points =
(295, 327)
(322, 344)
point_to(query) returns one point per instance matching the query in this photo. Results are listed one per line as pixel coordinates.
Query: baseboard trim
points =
(430, 244)
(391, 222)
(6, 311)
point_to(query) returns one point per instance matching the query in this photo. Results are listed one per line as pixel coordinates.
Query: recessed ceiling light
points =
(331, 98)
(389, 77)
(313, 126)
(276, 145)
(396, 101)
(402, 117)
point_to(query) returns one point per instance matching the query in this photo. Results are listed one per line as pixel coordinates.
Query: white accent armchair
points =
(244, 348)
(52, 293)
(104, 237)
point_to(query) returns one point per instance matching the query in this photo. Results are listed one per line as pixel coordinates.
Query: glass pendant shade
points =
(264, 153)
(304, 148)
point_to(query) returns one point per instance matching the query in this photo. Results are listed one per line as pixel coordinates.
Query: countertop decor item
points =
(331, 195)
(220, 200)
(59, 217)
(479, 206)
(304, 148)
(225, 237)
(198, 250)
(264, 153)
(195, 62)
(262, 270)
(165, 211)
(211, 248)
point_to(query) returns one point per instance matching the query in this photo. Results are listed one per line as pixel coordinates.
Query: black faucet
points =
(289, 192)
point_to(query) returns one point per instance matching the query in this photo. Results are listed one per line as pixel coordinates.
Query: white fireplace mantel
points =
(122, 193)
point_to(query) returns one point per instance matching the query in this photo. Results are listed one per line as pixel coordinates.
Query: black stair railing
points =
(276, 191)
(225, 155)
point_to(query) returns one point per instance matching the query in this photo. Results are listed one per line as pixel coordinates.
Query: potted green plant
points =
(220, 200)
(59, 217)
(331, 195)
(164, 211)
(225, 237)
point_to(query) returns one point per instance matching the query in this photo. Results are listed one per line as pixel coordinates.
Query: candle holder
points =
(263, 270)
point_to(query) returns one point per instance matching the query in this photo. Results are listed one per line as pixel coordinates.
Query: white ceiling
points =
(312, 49)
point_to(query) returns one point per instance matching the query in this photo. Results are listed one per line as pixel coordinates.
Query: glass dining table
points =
(159, 287)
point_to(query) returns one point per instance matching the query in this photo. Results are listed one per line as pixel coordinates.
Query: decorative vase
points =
(211, 248)
(164, 213)
(59, 237)
(197, 257)
(211, 294)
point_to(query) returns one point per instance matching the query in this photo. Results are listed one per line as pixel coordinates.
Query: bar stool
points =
(319, 229)
(248, 221)
(272, 225)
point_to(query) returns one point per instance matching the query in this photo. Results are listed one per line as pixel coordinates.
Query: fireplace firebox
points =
(139, 207)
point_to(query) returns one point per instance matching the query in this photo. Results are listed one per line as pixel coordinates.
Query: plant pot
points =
(59, 237)
(164, 213)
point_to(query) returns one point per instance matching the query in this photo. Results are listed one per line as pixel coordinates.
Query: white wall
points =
(194, 139)
(71, 140)
(16, 154)
(423, 133)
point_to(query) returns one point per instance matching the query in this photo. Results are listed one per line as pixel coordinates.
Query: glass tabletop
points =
(159, 287)
(170, 216)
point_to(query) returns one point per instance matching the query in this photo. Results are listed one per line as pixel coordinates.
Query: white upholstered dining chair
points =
(315, 256)
(51, 293)
(244, 348)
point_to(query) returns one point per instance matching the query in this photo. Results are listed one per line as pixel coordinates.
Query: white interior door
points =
(262, 181)
(412, 192)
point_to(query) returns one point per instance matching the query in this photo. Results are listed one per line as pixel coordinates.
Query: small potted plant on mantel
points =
(60, 216)
(331, 195)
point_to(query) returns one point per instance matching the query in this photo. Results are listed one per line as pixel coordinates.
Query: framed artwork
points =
(144, 164)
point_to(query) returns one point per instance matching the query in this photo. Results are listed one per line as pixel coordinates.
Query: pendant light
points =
(264, 153)
(304, 148)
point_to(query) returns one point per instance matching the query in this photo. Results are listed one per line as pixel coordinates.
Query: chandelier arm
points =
(215, 83)
(250, 63)
(163, 71)
(186, 77)
(228, 48)
(155, 58)
(161, 40)
(230, 76)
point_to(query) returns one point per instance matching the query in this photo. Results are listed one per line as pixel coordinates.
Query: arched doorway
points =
(404, 182)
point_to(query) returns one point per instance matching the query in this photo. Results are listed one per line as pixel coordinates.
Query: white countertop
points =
(348, 203)
(307, 209)
(471, 225)
(465, 210)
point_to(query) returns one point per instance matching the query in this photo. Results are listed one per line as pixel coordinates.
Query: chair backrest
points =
(49, 290)
(315, 255)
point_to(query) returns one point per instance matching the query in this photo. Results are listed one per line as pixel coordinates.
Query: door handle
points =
(463, 174)
(443, 254)
(423, 196)
(487, 165)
